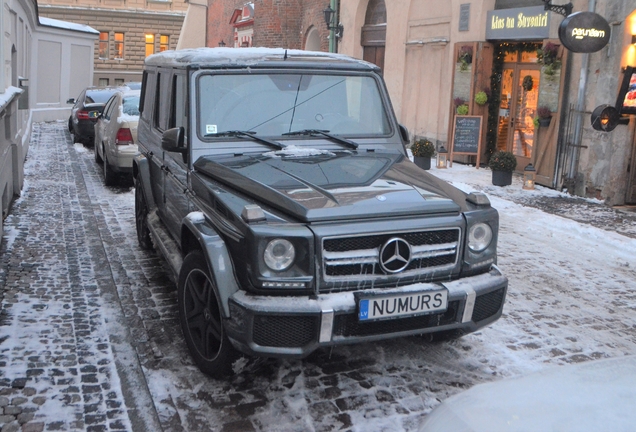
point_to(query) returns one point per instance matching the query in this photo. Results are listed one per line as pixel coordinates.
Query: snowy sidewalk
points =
(63, 347)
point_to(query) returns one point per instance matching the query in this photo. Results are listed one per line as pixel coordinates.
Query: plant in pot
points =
(545, 115)
(547, 56)
(502, 164)
(465, 57)
(481, 98)
(461, 107)
(423, 150)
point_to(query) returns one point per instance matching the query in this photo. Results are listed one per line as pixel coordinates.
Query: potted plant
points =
(547, 56)
(502, 164)
(423, 150)
(461, 107)
(465, 57)
(481, 98)
(545, 115)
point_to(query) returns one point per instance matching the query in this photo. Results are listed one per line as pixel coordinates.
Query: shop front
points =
(518, 68)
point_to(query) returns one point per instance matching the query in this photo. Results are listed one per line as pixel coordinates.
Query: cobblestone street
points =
(90, 339)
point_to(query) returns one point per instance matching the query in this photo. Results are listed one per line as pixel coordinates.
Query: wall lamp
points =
(221, 43)
(329, 18)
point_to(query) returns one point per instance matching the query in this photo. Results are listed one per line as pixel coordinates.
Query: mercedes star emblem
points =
(395, 255)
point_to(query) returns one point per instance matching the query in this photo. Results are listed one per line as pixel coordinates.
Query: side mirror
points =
(71, 101)
(404, 133)
(172, 141)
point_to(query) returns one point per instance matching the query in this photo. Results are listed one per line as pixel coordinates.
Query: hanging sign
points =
(584, 32)
(518, 24)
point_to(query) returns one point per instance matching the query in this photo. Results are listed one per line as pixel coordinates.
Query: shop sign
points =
(518, 24)
(584, 32)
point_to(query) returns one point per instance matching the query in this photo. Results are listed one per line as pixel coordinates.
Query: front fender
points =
(216, 255)
(141, 169)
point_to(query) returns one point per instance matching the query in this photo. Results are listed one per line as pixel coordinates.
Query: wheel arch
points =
(198, 234)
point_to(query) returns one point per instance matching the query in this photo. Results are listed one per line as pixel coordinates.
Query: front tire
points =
(141, 217)
(201, 318)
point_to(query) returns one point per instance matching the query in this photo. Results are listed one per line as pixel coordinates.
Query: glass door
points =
(517, 110)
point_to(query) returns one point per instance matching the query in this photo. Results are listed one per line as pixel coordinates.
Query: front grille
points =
(348, 259)
(350, 325)
(486, 305)
(285, 331)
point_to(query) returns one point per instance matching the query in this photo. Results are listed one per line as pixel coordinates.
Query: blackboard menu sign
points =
(466, 138)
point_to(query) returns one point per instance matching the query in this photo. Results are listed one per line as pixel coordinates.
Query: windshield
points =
(275, 104)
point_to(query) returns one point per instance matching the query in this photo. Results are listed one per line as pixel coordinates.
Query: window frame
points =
(101, 43)
(119, 44)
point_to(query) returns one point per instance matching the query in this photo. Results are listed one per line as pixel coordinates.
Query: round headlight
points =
(279, 254)
(479, 237)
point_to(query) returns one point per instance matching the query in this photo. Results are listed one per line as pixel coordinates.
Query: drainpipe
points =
(580, 108)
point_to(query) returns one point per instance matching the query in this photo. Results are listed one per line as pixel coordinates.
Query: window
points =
(103, 82)
(150, 44)
(103, 45)
(164, 43)
(119, 45)
(119, 81)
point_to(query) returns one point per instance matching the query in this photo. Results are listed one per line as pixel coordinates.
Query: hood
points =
(329, 185)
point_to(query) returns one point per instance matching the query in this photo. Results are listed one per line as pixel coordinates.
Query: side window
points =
(157, 107)
(108, 109)
(142, 97)
(179, 102)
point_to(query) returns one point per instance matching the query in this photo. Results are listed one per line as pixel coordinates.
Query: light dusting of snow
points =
(299, 152)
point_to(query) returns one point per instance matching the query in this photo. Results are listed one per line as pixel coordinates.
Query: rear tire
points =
(110, 177)
(141, 217)
(201, 317)
(98, 158)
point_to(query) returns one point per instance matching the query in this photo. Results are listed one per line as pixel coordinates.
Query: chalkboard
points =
(466, 138)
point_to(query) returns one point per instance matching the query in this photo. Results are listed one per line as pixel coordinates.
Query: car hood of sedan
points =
(329, 185)
(592, 396)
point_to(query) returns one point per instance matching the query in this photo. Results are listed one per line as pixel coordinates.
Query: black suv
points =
(277, 185)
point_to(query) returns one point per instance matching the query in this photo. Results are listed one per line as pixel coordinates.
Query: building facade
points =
(440, 55)
(43, 62)
(128, 32)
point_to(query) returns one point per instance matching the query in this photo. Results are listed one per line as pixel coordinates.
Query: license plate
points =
(93, 114)
(416, 303)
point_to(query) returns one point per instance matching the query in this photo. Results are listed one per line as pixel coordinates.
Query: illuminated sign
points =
(518, 24)
(584, 32)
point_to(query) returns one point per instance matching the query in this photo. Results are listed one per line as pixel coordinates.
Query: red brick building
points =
(294, 24)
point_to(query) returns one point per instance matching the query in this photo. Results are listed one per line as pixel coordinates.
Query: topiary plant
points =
(462, 109)
(481, 98)
(502, 161)
(423, 148)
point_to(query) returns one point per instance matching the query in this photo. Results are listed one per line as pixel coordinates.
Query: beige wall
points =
(192, 33)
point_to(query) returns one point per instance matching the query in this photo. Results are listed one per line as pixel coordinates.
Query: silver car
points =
(116, 135)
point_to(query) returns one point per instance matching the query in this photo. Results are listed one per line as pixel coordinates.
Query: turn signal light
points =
(124, 137)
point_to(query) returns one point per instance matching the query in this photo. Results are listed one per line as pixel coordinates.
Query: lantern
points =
(442, 158)
(529, 177)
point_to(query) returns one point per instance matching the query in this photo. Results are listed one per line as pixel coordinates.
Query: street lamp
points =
(329, 17)
(221, 43)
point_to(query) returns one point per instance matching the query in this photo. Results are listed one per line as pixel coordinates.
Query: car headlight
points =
(479, 237)
(279, 254)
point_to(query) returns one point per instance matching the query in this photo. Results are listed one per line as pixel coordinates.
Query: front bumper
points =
(296, 326)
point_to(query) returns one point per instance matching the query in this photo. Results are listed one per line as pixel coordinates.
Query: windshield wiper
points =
(247, 134)
(325, 133)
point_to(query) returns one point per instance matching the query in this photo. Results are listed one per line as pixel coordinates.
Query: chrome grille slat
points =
(357, 258)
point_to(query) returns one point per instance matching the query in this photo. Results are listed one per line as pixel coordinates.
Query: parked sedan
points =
(86, 109)
(116, 135)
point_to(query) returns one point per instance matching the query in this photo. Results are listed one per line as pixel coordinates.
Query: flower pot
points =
(545, 121)
(422, 162)
(502, 178)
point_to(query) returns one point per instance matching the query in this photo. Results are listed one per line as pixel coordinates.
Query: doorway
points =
(373, 38)
(518, 108)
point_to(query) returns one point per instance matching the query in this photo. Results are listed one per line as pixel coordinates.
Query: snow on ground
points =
(572, 298)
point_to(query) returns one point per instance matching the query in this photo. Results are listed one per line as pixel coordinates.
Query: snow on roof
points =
(246, 56)
(50, 22)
